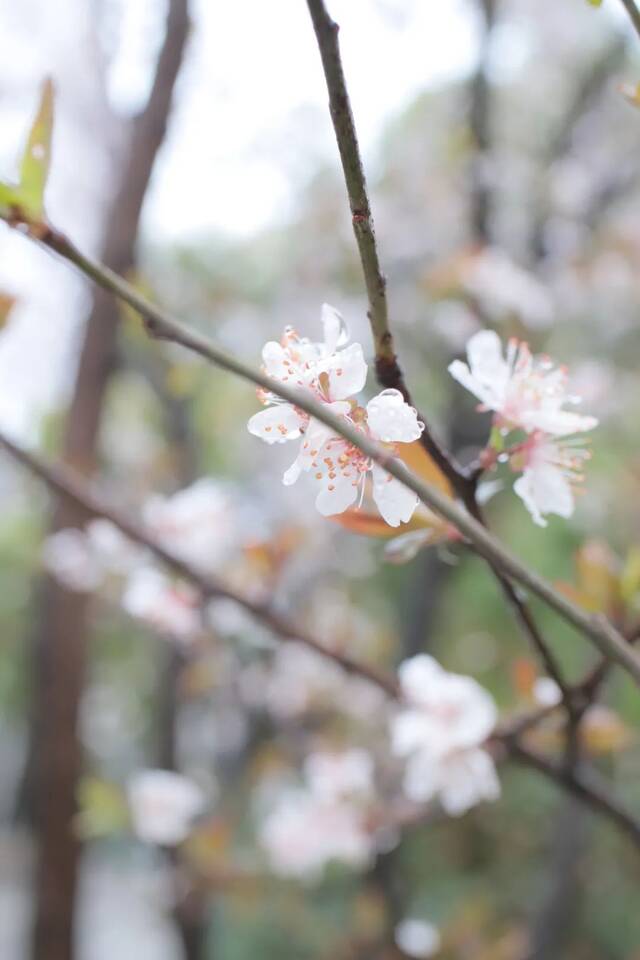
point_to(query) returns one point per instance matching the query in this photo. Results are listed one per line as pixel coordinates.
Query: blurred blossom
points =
(454, 322)
(309, 826)
(441, 733)
(163, 805)
(170, 607)
(68, 556)
(195, 523)
(302, 834)
(332, 776)
(504, 289)
(417, 938)
(546, 692)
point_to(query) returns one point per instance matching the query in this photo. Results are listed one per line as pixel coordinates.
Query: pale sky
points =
(251, 122)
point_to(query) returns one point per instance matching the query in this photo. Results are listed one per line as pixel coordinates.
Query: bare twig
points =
(634, 13)
(160, 324)
(388, 371)
(586, 787)
(69, 485)
(66, 484)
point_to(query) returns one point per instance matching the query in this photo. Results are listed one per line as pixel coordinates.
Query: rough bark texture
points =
(62, 645)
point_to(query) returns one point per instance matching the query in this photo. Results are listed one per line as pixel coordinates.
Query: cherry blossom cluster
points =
(440, 734)
(194, 523)
(309, 825)
(333, 374)
(529, 394)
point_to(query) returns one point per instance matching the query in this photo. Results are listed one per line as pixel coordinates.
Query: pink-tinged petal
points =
(273, 358)
(391, 419)
(395, 502)
(559, 423)
(337, 494)
(545, 489)
(336, 334)
(277, 424)
(487, 374)
(347, 372)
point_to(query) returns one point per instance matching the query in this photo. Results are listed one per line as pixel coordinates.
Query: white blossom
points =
(303, 833)
(551, 472)
(328, 373)
(170, 607)
(546, 692)
(417, 938)
(333, 377)
(342, 469)
(440, 733)
(163, 805)
(69, 557)
(195, 523)
(335, 776)
(525, 391)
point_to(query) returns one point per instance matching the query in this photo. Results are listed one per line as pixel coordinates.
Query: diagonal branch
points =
(66, 484)
(634, 13)
(586, 787)
(160, 324)
(69, 485)
(388, 371)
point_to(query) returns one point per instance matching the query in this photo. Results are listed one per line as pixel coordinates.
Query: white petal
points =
(277, 424)
(335, 329)
(422, 776)
(337, 494)
(545, 489)
(273, 357)
(390, 418)
(395, 502)
(467, 779)
(418, 676)
(484, 352)
(559, 423)
(291, 475)
(347, 372)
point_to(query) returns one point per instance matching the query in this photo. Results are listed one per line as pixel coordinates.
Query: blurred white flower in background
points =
(308, 826)
(195, 523)
(68, 556)
(170, 607)
(440, 733)
(163, 806)
(417, 938)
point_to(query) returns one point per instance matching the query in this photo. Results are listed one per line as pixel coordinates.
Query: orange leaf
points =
(416, 458)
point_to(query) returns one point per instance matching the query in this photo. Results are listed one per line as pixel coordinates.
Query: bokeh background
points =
(502, 162)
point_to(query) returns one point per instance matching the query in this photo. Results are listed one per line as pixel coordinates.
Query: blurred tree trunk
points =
(190, 907)
(62, 640)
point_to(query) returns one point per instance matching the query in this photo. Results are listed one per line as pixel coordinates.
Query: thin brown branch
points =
(70, 486)
(388, 371)
(585, 786)
(634, 13)
(66, 484)
(161, 325)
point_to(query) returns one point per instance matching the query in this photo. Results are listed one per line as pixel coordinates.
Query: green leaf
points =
(34, 167)
(10, 196)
